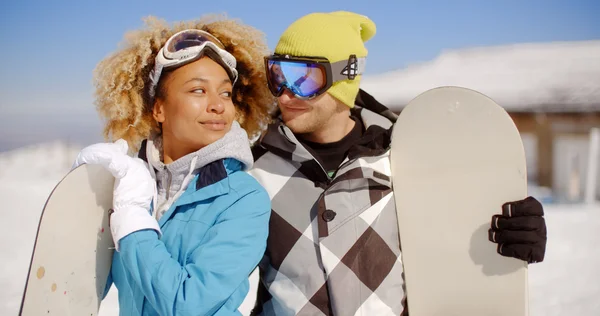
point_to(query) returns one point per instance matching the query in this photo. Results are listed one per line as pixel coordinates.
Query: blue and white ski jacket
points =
(213, 235)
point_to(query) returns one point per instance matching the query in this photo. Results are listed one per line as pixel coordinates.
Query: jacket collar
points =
(377, 119)
(211, 181)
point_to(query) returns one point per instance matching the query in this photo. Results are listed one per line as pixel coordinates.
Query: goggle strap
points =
(348, 69)
(154, 77)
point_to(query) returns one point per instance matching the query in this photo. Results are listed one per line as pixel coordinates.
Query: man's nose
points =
(286, 96)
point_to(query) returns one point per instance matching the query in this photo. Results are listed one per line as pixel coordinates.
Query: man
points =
(325, 162)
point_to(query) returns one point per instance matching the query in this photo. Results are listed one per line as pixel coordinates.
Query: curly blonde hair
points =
(122, 79)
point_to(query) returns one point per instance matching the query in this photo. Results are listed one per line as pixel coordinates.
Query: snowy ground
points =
(566, 283)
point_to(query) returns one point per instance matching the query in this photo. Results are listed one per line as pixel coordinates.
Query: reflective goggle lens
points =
(301, 78)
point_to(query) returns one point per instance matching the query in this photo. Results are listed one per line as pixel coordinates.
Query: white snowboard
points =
(456, 158)
(73, 248)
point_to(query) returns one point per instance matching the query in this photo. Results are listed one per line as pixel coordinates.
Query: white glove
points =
(133, 191)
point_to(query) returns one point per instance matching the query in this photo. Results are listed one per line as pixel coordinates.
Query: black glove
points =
(520, 231)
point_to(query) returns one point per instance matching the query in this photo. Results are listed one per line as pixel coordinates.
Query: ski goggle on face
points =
(309, 77)
(185, 47)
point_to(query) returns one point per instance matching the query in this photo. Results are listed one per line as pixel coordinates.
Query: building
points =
(551, 90)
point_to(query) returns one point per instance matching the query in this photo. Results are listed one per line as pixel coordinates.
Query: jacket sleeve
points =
(231, 249)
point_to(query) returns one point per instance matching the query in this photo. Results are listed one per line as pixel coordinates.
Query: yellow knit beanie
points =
(335, 36)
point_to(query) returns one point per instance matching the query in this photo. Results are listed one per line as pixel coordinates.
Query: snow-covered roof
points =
(555, 76)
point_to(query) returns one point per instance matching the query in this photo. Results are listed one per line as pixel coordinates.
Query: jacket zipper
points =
(342, 166)
(169, 179)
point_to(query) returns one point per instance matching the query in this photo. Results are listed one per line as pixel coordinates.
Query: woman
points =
(189, 224)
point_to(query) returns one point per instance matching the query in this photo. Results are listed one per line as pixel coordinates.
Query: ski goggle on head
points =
(187, 46)
(309, 77)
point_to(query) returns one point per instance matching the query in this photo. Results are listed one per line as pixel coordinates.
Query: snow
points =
(533, 76)
(566, 283)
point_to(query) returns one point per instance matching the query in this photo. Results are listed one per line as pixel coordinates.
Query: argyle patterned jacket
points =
(333, 246)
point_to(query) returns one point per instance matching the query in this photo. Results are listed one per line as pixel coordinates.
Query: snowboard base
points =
(456, 158)
(73, 248)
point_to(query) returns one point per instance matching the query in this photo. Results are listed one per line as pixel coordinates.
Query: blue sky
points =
(49, 48)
